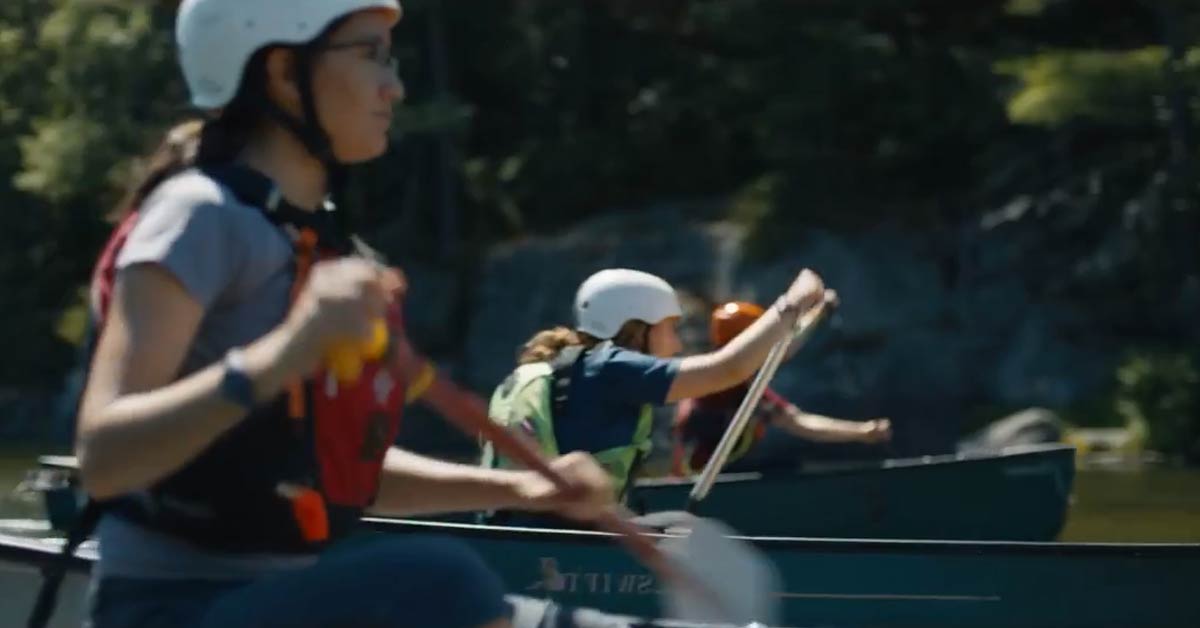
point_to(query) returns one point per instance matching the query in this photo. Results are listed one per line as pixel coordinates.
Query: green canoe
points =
(874, 583)
(1017, 494)
(834, 583)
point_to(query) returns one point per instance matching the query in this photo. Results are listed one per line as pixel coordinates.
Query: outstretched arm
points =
(823, 429)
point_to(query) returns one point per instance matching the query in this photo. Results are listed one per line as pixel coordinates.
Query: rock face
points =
(911, 340)
(529, 286)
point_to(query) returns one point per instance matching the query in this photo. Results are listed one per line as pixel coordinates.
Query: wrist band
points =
(235, 384)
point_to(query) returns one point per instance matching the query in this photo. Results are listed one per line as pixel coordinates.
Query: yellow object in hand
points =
(345, 360)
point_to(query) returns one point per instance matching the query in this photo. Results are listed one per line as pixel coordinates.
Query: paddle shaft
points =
(741, 418)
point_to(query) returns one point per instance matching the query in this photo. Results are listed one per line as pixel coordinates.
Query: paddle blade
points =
(741, 582)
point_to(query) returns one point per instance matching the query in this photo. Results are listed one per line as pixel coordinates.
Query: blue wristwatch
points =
(235, 384)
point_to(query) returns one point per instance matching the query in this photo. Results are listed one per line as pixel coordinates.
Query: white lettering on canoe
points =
(555, 580)
(627, 583)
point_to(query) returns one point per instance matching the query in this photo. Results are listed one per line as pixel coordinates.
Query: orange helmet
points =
(731, 319)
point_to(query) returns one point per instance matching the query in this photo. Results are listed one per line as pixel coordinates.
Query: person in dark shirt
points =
(700, 423)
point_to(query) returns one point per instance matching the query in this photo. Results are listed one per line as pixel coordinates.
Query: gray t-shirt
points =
(237, 265)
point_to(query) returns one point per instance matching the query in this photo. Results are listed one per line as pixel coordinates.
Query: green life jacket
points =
(528, 401)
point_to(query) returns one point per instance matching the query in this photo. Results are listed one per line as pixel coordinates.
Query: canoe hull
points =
(864, 584)
(20, 578)
(1020, 495)
(875, 583)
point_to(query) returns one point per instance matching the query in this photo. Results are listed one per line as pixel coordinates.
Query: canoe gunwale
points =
(44, 548)
(1022, 453)
(1015, 452)
(41, 552)
(880, 546)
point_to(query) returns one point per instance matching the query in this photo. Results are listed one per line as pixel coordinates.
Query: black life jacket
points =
(298, 472)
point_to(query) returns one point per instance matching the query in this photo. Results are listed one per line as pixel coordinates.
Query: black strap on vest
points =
(256, 189)
(56, 569)
(562, 367)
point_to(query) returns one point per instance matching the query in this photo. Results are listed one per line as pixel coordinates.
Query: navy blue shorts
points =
(371, 582)
(386, 583)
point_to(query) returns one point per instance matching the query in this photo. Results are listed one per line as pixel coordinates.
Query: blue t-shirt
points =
(609, 386)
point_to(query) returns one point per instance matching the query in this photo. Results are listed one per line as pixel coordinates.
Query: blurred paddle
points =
(742, 593)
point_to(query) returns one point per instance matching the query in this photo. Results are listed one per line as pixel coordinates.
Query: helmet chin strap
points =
(308, 129)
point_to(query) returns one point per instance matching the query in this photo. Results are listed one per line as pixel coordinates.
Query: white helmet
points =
(216, 38)
(610, 298)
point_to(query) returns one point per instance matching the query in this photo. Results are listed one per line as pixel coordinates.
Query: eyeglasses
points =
(377, 52)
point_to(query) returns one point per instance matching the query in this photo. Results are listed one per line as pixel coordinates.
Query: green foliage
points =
(844, 115)
(1160, 392)
(1112, 87)
(59, 155)
(111, 88)
(86, 86)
